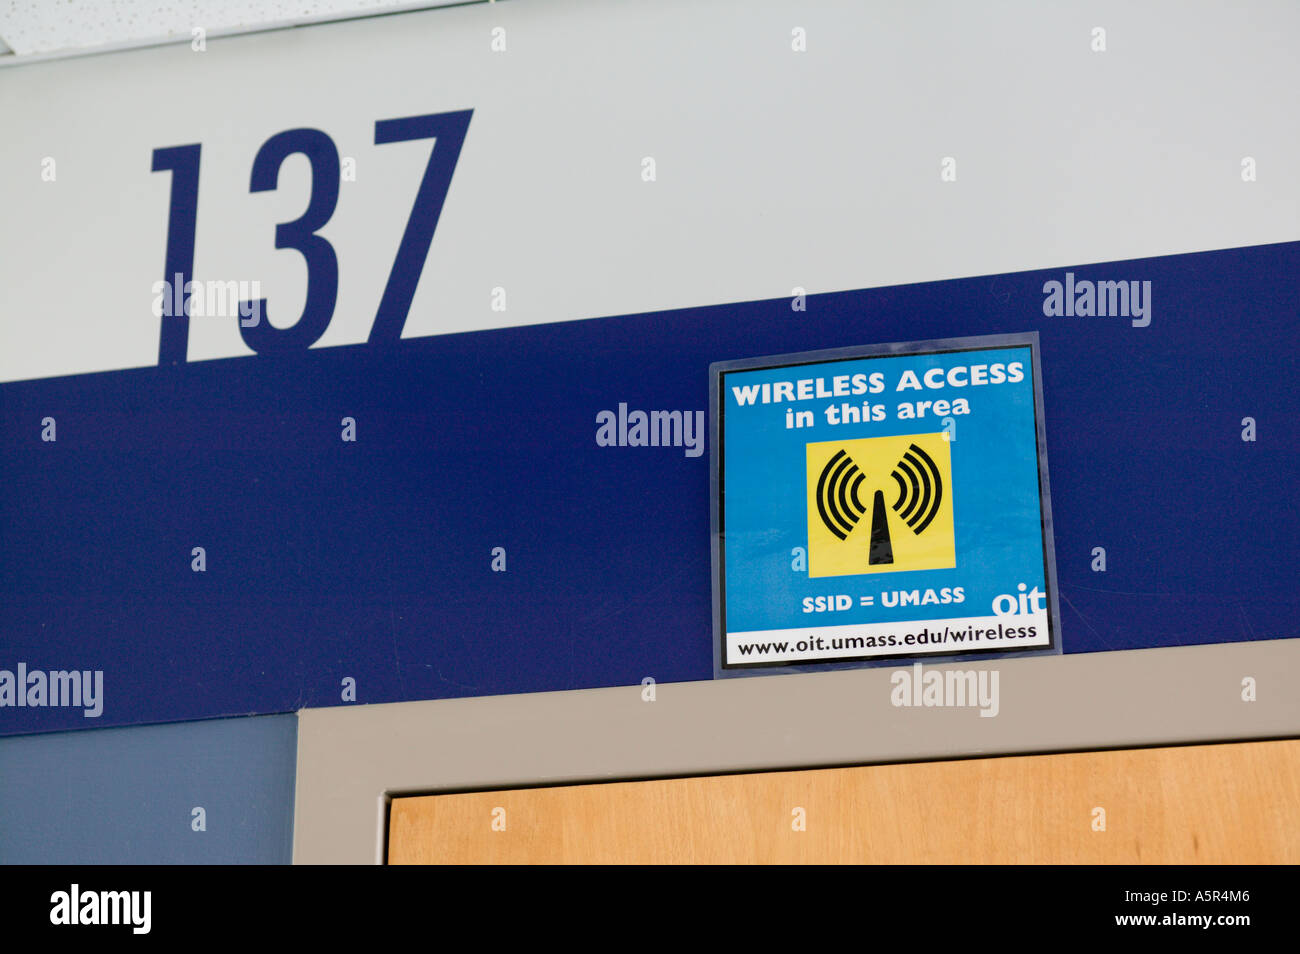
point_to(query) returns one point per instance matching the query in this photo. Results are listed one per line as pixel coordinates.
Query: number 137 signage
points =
(447, 130)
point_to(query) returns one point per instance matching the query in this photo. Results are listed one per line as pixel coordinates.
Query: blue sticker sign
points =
(881, 503)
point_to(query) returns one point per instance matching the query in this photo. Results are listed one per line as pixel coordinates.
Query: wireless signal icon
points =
(841, 508)
(847, 486)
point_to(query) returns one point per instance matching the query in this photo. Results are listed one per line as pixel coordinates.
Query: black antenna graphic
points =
(882, 550)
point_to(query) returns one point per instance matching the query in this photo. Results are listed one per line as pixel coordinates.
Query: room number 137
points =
(302, 234)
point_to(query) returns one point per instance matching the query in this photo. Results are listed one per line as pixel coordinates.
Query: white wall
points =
(776, 169)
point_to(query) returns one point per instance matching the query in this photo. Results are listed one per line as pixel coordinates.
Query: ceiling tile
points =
(44, 27)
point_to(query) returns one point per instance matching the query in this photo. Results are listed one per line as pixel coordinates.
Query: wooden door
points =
(1226, 803)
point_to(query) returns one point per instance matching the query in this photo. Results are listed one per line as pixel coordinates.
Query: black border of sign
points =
(718, 371)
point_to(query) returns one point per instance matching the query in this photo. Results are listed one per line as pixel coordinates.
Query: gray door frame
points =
(353, 760)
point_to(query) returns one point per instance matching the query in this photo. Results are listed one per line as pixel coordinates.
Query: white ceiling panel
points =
(55, 27)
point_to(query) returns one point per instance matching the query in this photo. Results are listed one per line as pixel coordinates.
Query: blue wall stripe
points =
(371, 560)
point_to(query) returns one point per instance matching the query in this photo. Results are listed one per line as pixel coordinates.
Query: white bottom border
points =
(948, 637)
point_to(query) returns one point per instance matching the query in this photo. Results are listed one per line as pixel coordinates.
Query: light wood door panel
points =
(1230, 803)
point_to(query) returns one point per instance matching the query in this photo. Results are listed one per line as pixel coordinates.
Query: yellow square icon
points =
(880, 505)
